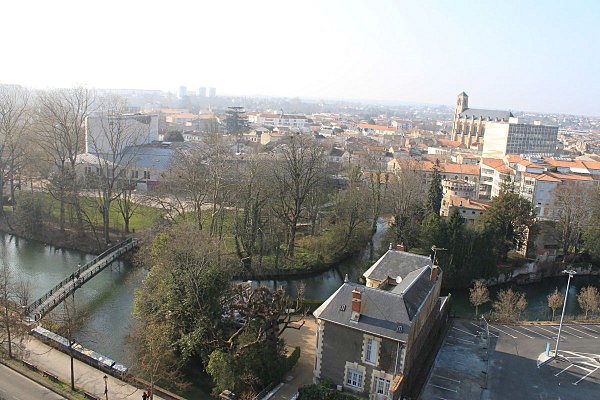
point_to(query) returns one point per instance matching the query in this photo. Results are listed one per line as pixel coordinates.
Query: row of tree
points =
(510, 305)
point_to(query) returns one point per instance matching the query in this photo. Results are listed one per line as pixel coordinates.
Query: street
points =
(14, 386)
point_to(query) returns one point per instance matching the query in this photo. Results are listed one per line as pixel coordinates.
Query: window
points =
(382, 386)
(354, 378)
(371, 351)
(146, 174)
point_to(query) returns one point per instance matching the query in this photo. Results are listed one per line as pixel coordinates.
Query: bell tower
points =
(462, 103)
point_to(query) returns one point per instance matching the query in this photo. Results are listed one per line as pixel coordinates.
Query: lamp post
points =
(570, 272)
(106, 386)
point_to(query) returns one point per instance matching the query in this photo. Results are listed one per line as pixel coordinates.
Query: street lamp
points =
(570, 272)
(106, 386)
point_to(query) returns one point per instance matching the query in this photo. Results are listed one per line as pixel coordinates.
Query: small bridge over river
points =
(84, 273)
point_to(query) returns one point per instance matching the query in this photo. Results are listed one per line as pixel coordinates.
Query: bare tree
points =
(13, 299)
(378, 185)
(60, 122)
(555, 301)
(574, 203)
(155, 358)
(510, 305)
(409, 193)
(113, 138)
(249, 213)
(296, 174)
(589, 300)
(479, 295)
(185, 186)
(14, 122)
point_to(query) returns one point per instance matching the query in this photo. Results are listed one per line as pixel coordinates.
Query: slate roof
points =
(485, 114)
(414, 289)
(383, 313)
(396, 263)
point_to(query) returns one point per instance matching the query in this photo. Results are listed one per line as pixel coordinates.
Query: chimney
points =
(434, 273)
(356, 304)
(400, 246)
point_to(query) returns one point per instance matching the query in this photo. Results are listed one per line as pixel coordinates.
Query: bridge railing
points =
(77, 273)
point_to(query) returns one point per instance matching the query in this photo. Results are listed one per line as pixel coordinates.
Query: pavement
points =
(13, 385)
(87, 378)
(468, 366)
(302, 373)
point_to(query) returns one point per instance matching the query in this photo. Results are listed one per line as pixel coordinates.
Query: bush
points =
(292, 359)
(319, 392)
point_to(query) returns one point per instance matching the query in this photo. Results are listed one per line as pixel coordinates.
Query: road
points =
(14, 386)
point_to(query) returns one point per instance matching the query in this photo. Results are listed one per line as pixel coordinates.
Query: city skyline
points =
(533, 56)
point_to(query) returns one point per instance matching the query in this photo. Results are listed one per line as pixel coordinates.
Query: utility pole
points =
(570, 272)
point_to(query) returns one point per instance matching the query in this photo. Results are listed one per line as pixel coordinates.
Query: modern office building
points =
(517, 137)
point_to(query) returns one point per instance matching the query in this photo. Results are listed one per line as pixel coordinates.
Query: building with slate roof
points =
(468, 127)
(369, 337)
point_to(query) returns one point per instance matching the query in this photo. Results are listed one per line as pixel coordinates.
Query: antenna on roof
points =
(435, 250)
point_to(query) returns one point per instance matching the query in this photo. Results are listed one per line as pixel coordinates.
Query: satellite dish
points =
(398, 279)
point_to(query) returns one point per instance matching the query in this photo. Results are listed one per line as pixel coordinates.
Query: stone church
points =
(468, 127)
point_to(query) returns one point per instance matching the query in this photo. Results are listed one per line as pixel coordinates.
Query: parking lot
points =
(469, 366)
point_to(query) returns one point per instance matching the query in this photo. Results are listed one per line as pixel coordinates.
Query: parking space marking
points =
(549, 331)
(506, 333)
(587, 327)
(463, 331)
(568, 366)
(508, 327)
(491, 333)
(575, 383)
(443, 377)
(443, 388)
(563, 331)
(585, 333)
(534, 332)
(567, 326)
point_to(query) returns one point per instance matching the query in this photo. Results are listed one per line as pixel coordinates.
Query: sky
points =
(520, 55)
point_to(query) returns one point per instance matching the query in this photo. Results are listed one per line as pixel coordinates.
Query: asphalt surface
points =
(468, 368)
(14, 386)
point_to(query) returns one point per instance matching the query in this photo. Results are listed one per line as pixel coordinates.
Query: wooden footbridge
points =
(84, 273)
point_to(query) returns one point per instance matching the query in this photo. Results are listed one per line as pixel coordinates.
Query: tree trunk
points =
(106, 218)
(292, 241)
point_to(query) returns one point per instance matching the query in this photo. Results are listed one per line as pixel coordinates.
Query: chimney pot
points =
(356, 304)
(434, 273)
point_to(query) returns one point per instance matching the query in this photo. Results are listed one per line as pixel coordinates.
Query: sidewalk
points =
(302, 373)
(87, 378)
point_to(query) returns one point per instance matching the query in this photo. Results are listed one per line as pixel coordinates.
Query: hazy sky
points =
(523, 55)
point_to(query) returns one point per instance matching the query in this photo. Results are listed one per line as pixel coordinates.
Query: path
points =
(302, 373)
(87, 377)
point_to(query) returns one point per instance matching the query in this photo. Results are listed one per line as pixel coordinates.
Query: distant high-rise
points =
(182, 92)
(202, 92)
(212, 92)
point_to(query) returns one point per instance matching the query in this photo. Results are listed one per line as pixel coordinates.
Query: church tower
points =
(462, 103)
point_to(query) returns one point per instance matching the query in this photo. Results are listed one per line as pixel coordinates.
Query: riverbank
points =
(52, 236)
